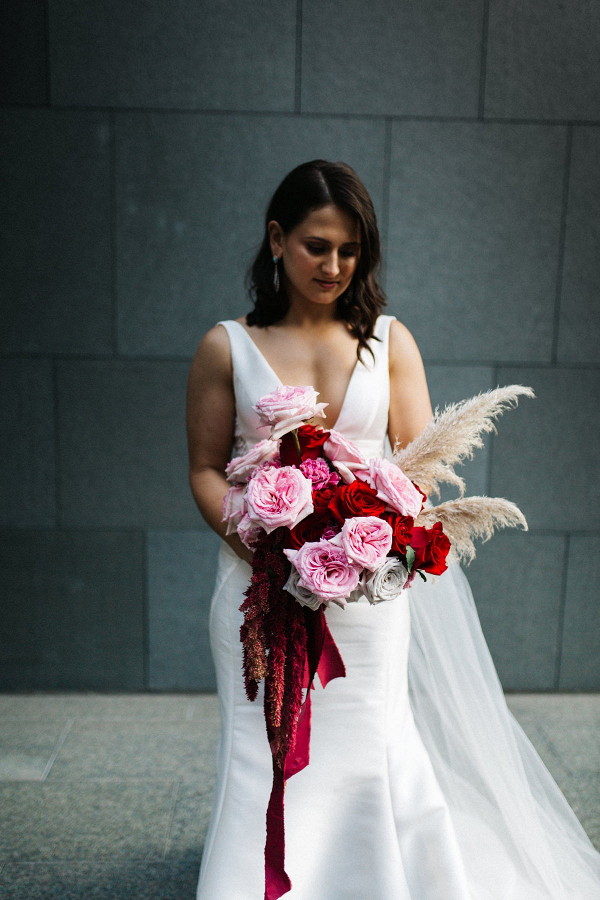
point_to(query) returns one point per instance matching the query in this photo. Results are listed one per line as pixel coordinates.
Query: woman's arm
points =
(210, 416)
(410, 406)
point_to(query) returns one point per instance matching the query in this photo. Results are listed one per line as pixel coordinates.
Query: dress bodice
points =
(363, 418)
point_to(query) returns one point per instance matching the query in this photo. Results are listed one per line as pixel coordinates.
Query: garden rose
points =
(344, 455)
(240, 467)
(387, 582)
(356, 499)
(234, 506)
(287, 407)
(431, 548)
(248, 531)
(392, 486)
(325, 570)
(366, 541)
(301, 594)
(279, 496)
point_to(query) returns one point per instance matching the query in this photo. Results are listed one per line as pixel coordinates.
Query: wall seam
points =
(57, 467)
(562, 234)
(561, 612)
(483, 60)
(298, 62)
(113, 232)
(385, 200)
(47, 43)
(145, 614)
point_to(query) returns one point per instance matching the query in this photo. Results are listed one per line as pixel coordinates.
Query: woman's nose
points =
(331, 264)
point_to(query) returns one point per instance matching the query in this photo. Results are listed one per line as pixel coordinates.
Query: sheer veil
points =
(520, 838)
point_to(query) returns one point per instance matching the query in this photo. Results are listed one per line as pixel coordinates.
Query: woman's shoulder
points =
(213, 351)
(403, 349)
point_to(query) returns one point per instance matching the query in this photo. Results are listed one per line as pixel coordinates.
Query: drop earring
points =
(275, 275)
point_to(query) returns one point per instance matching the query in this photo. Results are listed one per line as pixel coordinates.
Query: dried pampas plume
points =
(452, 436)
(472, 517)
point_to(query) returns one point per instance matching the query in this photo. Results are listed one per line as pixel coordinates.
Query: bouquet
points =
(329, 526)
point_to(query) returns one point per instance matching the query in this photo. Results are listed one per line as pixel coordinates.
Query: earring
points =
(276, 275)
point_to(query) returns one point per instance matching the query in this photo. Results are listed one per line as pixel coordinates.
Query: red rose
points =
(431, 548)
(402, 527)
(322, 498)
(309, 529)
(356, 499)
(311, 441)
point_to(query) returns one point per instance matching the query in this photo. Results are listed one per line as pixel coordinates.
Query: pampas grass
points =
(468, 518)
(447, 440)
(452, 436)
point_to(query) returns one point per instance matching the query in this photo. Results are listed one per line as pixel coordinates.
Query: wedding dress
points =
(421, 784)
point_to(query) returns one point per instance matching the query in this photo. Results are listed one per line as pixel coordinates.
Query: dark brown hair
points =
(306, 188)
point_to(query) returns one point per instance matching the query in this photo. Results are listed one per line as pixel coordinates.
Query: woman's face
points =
(319, 256)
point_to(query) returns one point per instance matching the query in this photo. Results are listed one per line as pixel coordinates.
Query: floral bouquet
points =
(328, 526)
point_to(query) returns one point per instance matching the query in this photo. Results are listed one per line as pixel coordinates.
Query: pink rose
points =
(288, 407)
(240, 467)
(248, 531)
(325, 570)
(392, 486)
(366, 540)
(234, 506)
(343, 454)
(279, 496)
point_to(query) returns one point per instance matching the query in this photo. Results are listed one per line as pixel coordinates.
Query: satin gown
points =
(366, 818)
(421, 785)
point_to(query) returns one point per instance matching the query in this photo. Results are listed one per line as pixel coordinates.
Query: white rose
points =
(302, 594)
(387, 582)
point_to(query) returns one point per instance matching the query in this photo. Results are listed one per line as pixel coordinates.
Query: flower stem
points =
(297, 443)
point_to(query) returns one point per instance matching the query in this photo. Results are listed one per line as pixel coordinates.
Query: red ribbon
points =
(322, 658)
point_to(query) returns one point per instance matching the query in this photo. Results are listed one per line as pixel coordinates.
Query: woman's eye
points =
(347, 253)
(316, 248)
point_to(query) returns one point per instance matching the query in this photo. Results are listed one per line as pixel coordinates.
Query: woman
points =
(421, 785)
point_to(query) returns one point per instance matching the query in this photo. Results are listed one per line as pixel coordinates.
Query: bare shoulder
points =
(403, 350)
(212, 359)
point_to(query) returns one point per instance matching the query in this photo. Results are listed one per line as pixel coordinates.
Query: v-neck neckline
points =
(281, 383)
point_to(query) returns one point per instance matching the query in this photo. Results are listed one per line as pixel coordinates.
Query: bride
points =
(421, 784)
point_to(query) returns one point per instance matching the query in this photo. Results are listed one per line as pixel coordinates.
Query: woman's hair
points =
(308, 187)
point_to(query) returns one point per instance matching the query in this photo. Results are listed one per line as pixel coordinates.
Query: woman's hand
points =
(410, 406)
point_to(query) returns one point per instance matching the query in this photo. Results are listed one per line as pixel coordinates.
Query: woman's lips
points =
(327, 285)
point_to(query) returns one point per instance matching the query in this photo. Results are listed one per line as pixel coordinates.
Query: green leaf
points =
(410, 558)
(421, 574)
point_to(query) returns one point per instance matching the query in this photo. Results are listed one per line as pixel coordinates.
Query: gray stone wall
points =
(140, 144)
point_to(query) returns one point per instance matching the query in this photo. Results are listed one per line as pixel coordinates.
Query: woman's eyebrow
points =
(325, 241)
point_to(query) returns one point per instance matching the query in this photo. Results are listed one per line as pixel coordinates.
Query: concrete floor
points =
(107, 797)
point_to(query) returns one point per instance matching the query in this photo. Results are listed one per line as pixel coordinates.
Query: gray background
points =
(140, 144)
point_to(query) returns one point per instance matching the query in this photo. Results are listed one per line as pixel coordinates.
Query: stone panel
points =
(181, 574)
(542, 60)
(516, 581)
(391, 58)
(579, 334)
(23, 52)
(71, 610)
(27, 471)
(177, 54)
(450, 384)
(192, 192)
(123, 446)
(580, 661)
(55, 294)
(474, 229)
(547, 452)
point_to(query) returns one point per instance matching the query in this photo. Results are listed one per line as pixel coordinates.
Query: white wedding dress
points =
(421, 784)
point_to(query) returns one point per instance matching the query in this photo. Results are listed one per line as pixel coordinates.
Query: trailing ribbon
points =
(322, 658)
(286, 644)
